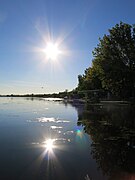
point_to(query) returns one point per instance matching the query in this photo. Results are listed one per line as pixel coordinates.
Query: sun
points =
(52, 51)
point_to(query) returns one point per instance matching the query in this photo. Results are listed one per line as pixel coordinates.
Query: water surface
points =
(88, 142)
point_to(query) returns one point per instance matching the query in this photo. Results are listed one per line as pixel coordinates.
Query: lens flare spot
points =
(79, 133)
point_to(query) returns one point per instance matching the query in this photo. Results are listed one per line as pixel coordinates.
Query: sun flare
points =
(52, 51)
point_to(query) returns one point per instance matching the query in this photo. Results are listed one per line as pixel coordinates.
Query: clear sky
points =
(27, 25)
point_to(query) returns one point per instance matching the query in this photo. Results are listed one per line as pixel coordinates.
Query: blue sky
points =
(25, 25)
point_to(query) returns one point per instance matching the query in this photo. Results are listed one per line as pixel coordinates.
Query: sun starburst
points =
(52, 51)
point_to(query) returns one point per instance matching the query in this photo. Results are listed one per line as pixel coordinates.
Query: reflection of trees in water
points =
(112, 130)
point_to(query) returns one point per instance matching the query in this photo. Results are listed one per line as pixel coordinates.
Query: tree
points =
(114, 60)
(90, 80)
(113, 65)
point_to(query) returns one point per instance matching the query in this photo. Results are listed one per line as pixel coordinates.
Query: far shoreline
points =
(78, 101)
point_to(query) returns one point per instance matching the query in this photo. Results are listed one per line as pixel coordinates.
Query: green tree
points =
(90, 80)
(114, 60)
(113, 65)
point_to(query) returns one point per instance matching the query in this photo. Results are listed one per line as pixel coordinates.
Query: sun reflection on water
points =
(49, 144)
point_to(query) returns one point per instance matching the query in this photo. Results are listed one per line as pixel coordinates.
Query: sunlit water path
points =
(43, 139)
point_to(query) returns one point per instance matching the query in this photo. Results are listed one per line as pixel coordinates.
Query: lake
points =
(46, 139)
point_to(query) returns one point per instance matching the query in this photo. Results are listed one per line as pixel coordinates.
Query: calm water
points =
(96, 143)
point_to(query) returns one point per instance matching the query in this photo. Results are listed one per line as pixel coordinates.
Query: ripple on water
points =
(56, 127)
(48, 120)
(56, 141)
